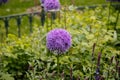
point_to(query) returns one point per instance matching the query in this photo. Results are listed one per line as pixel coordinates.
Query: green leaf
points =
(6, 77)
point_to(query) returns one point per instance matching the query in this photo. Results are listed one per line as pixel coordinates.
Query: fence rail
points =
(18, 18)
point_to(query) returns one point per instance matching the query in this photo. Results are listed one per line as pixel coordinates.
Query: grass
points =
(19, 6)
(15, 6)
(84, 2)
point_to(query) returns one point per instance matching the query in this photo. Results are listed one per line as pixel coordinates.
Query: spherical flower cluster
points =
(51, 5)
(58, 41)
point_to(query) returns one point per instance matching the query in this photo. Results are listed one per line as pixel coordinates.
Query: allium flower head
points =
(58, 40)
(51, 5)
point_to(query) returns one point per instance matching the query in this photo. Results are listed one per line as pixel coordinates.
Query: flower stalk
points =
(92, 60)
(97, 74)
(58, 66)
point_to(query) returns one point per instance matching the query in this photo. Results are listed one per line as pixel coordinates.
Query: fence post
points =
(42, 16)
(1, 35)
(30, 21)
(18, 24)
(6, 25)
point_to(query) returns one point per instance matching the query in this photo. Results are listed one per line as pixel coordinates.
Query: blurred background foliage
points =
(20, 6)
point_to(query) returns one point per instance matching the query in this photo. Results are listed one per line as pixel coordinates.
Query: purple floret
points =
(42, 1)
(58, 40)
(51, 5)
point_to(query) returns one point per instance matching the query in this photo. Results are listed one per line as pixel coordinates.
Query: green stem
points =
(117, 19)
(58, 67)
(51, 20)
(71, 72)
(65, 17)
(109, 14)
(108, 73)
(59, 17)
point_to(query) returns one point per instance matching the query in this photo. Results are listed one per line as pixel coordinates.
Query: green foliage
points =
(16, 57)
(5, 76)
(28, 57)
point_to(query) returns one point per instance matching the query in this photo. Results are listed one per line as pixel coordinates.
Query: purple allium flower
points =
(58, 40)
(42, 1)
(51, 5)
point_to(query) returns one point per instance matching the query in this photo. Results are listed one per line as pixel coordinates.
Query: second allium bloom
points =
(58, 41)
(51, 5)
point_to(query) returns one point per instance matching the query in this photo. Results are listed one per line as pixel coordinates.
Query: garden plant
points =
(78, 45)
